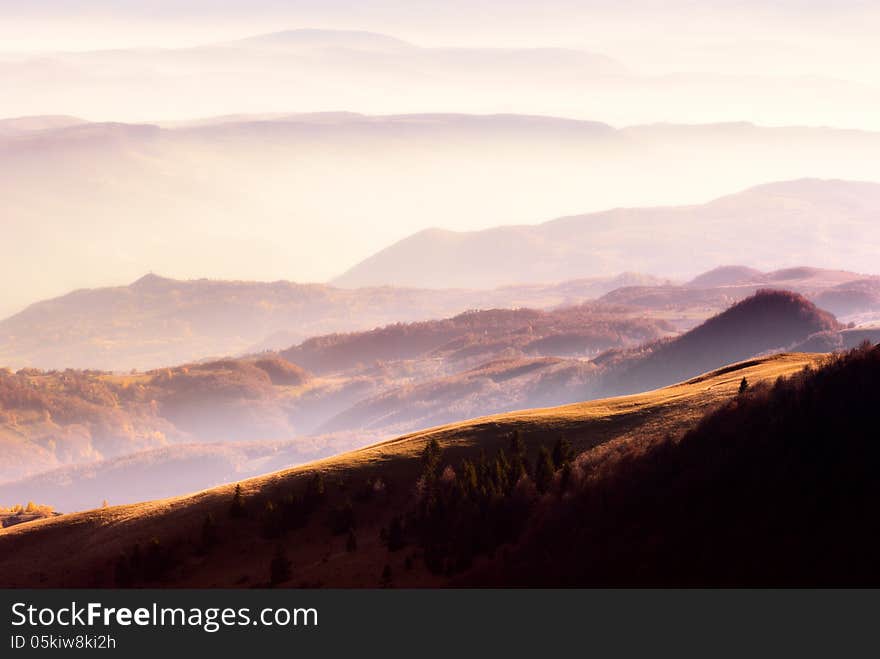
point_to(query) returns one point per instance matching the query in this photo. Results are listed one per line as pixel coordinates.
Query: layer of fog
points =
(305, 198)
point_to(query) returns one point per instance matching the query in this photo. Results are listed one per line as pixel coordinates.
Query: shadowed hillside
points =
(766, 322)
(342, 519)
(769, 320)
(777, 488)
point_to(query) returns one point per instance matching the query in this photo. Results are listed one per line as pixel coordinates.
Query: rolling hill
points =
(156, 321)
(849, 295)
(168, 471)
(53, 419)
(170, 543)
(770, 320)
(776, 488)
(72, 438)
(468, 338)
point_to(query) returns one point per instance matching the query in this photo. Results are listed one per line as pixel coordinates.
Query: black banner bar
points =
(462, 623)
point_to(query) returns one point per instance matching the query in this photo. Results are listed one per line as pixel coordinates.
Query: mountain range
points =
(73, 438)
(814, 219)
(157, 321)
(317, 69)
(286, 197)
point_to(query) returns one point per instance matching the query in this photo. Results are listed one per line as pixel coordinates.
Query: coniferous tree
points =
(743, 386)
(544, 470)
(517, 444)
(565, 478)
(519, 463)
(236, 508)
(562, 453)
(431, 458)
(467, 478)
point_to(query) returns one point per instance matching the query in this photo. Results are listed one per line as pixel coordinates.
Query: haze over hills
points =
(451, 294)
(769, 321)
(19, 126)
(310, 531)
(99, 430)
(271, 198)
(320, 69)
(851, 296)
(475, 336)
(55, 418)
(169, 471)
(816, 220)
(157, 321)
(160, 322)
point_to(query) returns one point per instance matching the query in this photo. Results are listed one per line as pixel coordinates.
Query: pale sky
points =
(821, 34)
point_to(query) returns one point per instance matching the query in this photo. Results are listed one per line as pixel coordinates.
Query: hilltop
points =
(767, 321)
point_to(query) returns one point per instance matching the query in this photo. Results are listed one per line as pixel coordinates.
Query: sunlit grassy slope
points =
(81, 549)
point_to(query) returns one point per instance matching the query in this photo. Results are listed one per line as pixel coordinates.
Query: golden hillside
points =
(84, 549)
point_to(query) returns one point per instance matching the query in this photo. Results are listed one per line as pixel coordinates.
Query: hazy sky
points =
(772, 63)
(818, 37)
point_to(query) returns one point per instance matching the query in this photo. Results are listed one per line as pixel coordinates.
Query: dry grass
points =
(79, 549)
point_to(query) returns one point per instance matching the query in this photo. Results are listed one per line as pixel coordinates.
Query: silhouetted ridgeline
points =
(778, 487)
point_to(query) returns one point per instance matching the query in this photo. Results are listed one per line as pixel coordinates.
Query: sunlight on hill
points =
(100, 535)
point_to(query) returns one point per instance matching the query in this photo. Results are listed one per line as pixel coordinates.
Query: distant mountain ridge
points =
(293, 175)
(806, 216)
(157, 321)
